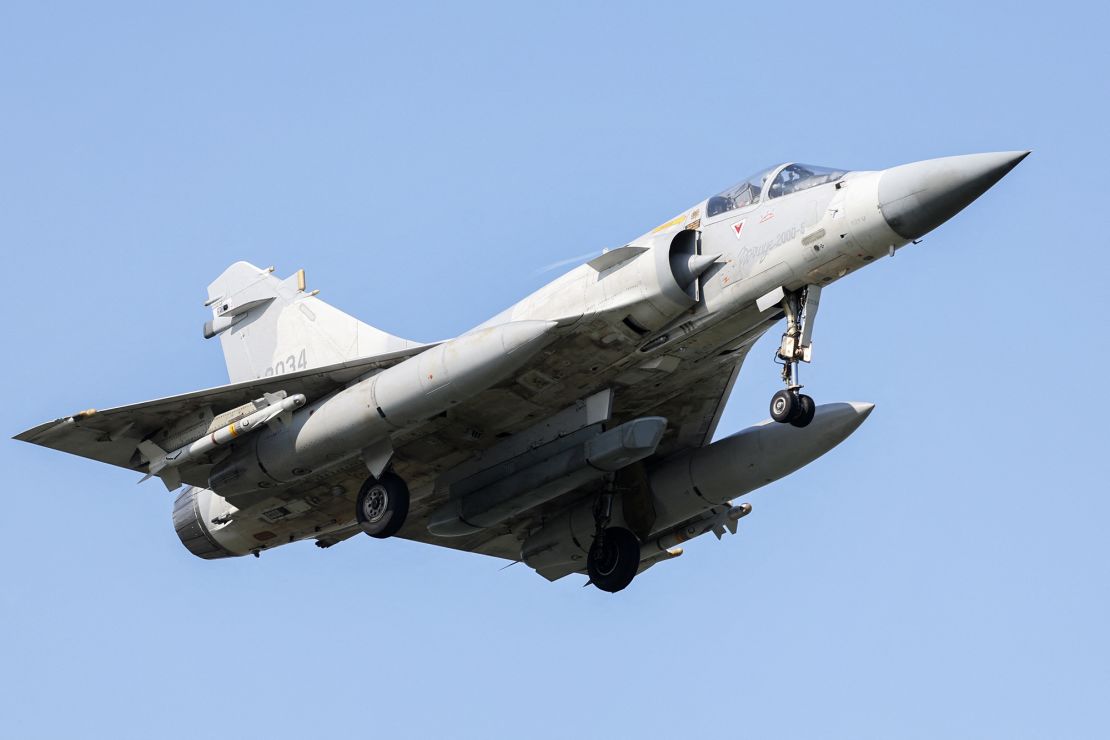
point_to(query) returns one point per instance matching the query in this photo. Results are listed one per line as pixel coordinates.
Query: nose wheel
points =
(790, 406)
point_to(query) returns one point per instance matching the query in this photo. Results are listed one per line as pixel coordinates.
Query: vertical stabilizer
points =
(268, 326)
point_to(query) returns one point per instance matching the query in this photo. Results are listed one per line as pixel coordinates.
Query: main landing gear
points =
(789, 406)
(383, 504)
(614, 557)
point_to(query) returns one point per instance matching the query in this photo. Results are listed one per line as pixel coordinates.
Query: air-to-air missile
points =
(162, 463)
(717, 520)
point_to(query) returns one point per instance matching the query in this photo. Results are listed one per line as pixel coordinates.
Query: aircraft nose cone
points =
(918, 197)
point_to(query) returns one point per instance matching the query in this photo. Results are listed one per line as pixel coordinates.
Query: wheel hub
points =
(375, 503)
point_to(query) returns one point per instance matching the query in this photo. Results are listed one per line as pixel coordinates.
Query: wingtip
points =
(33, 434)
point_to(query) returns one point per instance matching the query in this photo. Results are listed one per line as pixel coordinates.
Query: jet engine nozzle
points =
(916, 198)
(192, 511)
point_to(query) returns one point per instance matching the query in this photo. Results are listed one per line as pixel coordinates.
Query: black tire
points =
(806, 409)
(383, 505)
(613, 565)
(784, 406)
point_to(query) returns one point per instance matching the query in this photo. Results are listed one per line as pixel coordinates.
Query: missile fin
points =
(154, 454)
(273, 399)
(278, 415)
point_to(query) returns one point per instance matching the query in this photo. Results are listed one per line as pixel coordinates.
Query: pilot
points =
(717, 204)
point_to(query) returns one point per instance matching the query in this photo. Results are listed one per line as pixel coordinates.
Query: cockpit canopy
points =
(790, 179)
(738, 196)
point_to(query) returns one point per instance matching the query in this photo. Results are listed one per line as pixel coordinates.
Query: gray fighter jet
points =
(572, 431)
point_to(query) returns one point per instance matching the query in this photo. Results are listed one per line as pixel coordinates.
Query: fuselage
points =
(649, 321)
(810, 236)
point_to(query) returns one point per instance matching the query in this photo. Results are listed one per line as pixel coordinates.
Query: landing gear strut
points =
(383, 504)
(614, 556)
(789, 406)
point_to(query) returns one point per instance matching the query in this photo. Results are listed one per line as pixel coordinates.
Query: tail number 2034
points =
(290, 364)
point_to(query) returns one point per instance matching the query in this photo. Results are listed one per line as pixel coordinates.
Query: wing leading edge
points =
(113, 435)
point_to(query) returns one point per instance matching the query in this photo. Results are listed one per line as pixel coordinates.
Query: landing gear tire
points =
(614, 559)
(383, 504)
(806, 409)
(785, 406)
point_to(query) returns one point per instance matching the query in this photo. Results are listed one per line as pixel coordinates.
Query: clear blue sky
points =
(944, 573)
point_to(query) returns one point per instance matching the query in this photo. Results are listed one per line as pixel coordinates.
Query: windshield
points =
(796, 177)
(738, 196)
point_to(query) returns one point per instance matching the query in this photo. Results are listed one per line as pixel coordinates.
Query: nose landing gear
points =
(789, 406)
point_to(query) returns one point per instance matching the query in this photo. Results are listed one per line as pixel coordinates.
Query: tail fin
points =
(269, 326)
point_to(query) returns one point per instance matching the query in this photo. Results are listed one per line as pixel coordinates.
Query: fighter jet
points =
(573, 431)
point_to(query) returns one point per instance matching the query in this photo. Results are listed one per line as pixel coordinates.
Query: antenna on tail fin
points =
(269, 326)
